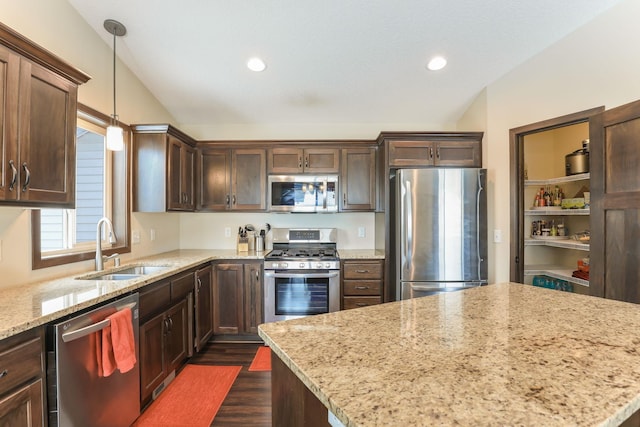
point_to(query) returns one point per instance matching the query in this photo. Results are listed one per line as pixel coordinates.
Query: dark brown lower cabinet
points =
(362, 283)
(22, 401)
(163, 347)
(237, 298)
(203, 306)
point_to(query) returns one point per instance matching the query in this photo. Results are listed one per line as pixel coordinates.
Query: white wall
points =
(55, 25)
(596, 65)
(206, 230)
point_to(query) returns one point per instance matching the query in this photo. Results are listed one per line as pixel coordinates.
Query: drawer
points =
(181, 286)
(20, 363)
(362, 287)
(154, 297)
(362, 270)
(357, 302)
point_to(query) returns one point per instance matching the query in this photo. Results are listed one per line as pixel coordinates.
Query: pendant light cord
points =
(115, 116)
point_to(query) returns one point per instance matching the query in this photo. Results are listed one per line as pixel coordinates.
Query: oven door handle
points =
(310, 275)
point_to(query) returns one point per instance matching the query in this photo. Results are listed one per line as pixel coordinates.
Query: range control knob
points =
(327, 265)
(319, 265)
(284, 265)
(302, 265)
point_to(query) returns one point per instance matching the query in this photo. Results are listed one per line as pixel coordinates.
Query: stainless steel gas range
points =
(301, 273)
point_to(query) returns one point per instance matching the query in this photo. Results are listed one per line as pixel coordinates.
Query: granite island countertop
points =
(27, 306)
(502, 354)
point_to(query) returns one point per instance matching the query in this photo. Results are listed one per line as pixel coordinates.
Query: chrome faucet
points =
(112, 239)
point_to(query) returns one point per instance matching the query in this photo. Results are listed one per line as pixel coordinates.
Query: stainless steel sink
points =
(113, 276)
(125, 273)
(143, 269)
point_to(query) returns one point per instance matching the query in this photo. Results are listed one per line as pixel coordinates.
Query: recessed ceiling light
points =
(256, 64)
(437, 63)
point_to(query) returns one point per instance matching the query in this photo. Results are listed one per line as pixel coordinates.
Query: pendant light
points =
(115, 134)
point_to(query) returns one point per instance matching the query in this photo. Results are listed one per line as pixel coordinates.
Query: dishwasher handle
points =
(94, 327)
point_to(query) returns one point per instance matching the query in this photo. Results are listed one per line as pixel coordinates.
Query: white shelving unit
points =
(556, 271)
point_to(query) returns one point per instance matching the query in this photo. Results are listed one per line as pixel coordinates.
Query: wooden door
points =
(285, 160)
(253, 297)
(9, 76)
(24, 407)
(177, 336)
(152, 355)
(321, 160)
(213, 179)
(228, 306)
(463, 153)
(174, 193)
(47, 111)
(615, 204)
(204, 306)
(358, 179)
(249, 181)
(187, 168)
(407, 153)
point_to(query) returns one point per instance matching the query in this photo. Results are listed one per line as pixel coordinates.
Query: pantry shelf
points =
(556, 212)
(559, 180)
(565, 244)
(557, 272)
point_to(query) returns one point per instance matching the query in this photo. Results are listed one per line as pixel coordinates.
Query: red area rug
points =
(192, 399)
(262, 360)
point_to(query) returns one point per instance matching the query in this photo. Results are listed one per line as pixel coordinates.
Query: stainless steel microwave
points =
(303, 193)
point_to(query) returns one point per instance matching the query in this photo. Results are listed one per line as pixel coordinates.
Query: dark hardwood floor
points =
(248, 403)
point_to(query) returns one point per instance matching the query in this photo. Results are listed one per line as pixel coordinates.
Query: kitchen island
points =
(502, 354)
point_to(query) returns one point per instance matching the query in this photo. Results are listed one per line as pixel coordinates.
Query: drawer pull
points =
(361, 304)
(362, 288)
(4, 373)
(362, 271)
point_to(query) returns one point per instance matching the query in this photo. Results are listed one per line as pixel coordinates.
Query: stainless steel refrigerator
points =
(441, 230)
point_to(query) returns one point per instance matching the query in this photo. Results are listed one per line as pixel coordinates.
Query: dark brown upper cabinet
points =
(459, 150)
(231, 179)
(163, 169)
(358, 179)
(286, 160)
(38, 101)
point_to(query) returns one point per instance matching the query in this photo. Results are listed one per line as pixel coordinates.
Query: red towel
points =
(122, 340)
(115, 345)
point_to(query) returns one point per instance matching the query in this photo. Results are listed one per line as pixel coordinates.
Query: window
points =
(61, 236)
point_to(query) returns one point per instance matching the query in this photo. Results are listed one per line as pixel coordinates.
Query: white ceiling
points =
(329, 61)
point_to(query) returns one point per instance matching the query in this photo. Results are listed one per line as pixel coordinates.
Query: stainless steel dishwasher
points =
(81, 397)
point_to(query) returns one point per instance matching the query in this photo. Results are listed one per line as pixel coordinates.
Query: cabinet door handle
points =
(14, 175)
(362, 271)
(166, 326)
(228, 200)
(362, 288)
(170, 324)
(199, 283)
(4, 373)
(431, 153)
(300, 162)
(344, 198)
(306, 162)
(257, 275)
(438, 153)
(27, 178)
(234, 199)
(361, 304)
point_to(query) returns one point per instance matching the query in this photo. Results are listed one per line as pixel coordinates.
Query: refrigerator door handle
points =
(407, 226)
(478, 196)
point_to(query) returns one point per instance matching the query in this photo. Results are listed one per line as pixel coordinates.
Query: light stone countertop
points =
(27, 306)
(502, 354)
(360, 254)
